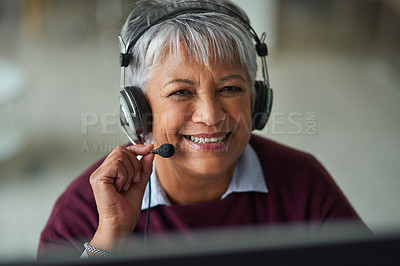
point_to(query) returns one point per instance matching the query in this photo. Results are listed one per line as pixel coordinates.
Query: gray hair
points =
(209, 36)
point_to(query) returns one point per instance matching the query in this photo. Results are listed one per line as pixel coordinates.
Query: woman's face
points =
(204, 112)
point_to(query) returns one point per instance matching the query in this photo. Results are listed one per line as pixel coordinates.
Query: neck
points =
(185, 187)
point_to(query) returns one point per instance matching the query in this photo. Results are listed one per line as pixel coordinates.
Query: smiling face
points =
(204, 112)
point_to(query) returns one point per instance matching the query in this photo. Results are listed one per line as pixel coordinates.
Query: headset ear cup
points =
(145, 113)
(138, 111)
(262, 105)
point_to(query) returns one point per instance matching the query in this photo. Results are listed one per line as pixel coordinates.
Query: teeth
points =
(207, 140)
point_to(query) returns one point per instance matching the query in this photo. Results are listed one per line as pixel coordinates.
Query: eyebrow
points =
(186, 81)
(190, 82)
(229, 77)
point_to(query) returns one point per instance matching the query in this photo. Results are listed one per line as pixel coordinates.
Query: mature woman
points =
(195, 64)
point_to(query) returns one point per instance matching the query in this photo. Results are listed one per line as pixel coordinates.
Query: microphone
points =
(166, 150)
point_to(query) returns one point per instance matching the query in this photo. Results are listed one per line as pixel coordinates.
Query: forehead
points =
(185, 64)
(183, 58)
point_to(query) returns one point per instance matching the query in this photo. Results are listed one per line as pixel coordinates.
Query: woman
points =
(196, 65)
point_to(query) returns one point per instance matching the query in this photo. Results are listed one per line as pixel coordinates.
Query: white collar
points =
(247, 177)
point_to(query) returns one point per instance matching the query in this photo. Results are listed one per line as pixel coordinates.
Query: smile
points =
(208, 140)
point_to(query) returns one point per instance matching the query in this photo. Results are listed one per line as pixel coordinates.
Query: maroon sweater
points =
(300, 189)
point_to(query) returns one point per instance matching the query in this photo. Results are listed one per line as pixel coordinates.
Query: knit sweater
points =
(300, 190)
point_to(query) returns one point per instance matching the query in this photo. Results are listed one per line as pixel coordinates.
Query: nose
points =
(208, 110)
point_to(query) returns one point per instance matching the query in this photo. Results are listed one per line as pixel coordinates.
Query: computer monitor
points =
(291, 244)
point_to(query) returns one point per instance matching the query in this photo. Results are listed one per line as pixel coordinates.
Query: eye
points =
(181, 93)
(230, 90)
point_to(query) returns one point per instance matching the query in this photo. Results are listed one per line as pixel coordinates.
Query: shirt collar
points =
(247, 177)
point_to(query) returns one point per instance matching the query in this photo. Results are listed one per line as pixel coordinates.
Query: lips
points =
(207, 140)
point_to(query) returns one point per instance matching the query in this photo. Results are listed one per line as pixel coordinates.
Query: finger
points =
(140, 149)
(147, 166)
(129, 162)
(116, 153)
(137, 166)
(111, 173)
(126, 158)
(121, 177)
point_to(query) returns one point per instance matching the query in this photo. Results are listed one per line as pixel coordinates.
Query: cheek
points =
(168, 119)
(240, 113)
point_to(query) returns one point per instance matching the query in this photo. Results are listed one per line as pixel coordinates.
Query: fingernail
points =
(126, 187)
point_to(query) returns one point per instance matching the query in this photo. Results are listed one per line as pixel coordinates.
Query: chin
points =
(206, 163)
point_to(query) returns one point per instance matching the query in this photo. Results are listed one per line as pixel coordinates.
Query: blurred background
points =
(334, 66)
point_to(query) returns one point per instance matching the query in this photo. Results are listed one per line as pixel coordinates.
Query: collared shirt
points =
(247, 177)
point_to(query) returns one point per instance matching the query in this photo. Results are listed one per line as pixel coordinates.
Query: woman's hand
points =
(118, 186)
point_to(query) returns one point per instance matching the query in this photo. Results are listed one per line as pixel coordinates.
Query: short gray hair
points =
(208, 36)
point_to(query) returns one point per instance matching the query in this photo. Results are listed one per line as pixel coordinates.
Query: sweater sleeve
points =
(72, 222)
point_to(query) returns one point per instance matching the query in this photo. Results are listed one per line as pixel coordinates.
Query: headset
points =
(135, 112)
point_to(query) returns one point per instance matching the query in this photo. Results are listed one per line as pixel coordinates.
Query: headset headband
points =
(186, 7)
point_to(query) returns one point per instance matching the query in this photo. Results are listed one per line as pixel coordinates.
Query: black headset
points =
(135, 113)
